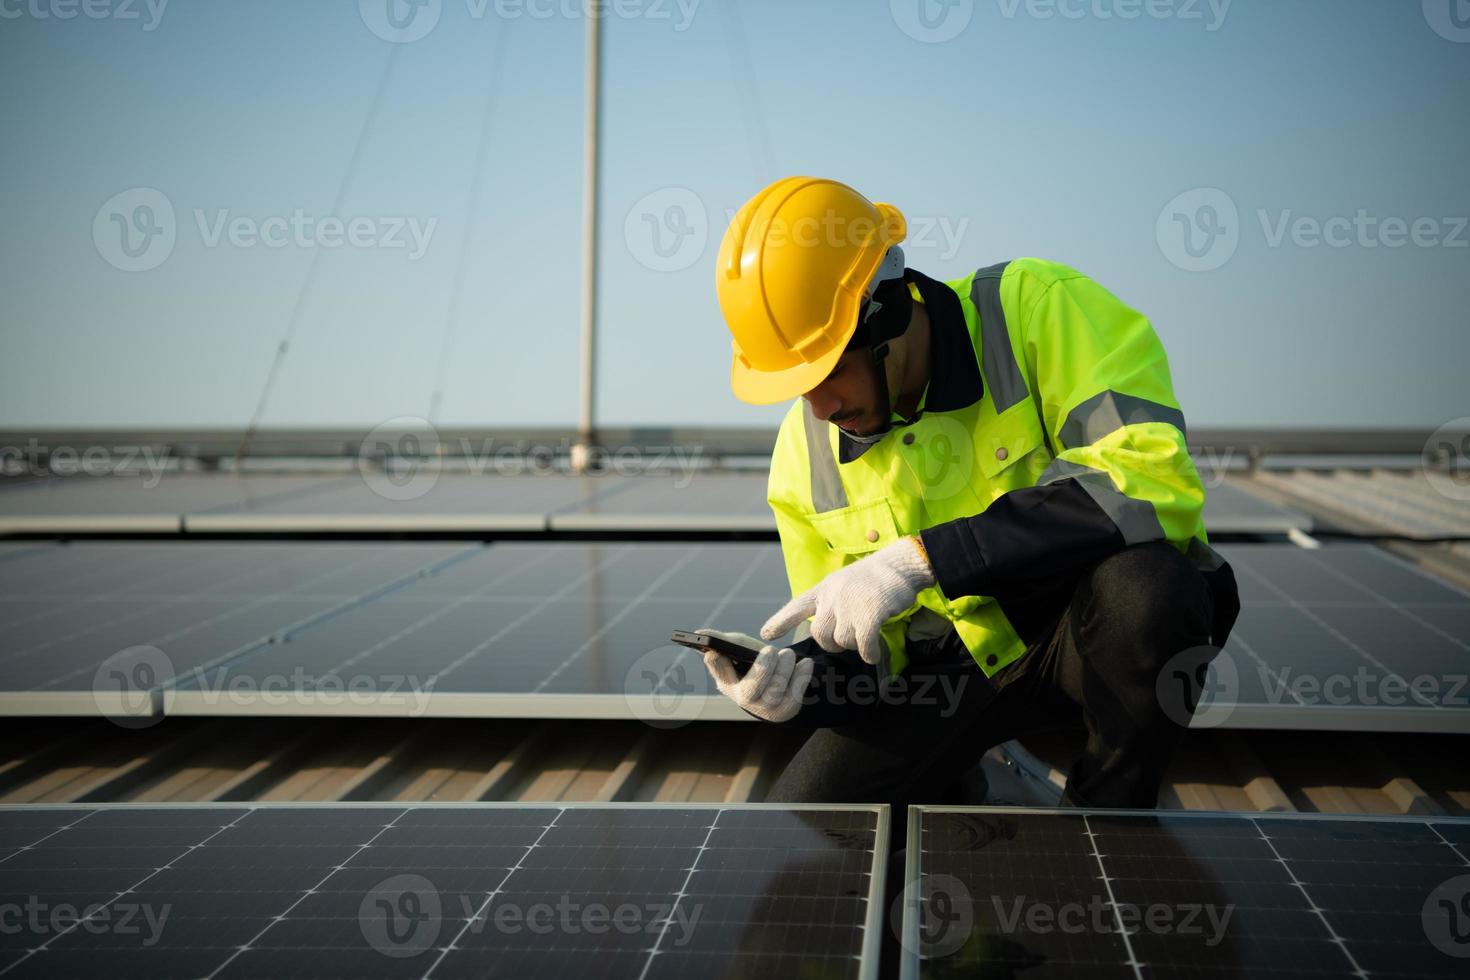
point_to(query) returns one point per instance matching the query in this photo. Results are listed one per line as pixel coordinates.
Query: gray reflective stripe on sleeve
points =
(1136, 520)
(827, 491)
(1108, 411)
(1002, 373)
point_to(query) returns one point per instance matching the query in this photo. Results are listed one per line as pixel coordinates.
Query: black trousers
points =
(1128, 617)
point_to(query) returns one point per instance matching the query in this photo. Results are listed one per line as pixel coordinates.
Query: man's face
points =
(848, 397)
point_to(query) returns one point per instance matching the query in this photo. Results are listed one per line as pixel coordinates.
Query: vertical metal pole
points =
(581, 452)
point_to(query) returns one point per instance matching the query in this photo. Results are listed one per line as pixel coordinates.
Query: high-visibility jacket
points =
(1066, 445)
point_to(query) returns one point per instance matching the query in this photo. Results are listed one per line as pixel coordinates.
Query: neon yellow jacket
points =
(1048, 438)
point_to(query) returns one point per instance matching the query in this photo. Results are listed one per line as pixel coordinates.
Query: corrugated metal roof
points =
(188, 760)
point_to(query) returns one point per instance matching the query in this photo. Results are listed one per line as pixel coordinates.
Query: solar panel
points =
(578, 630)
(517, 630)
(139, 502)
(450, 501)
(102, 626)
(426, 501)
(1231, 509)
(676, 501)
(1346, 637)
(1109, 893)
(719, 501)
(9, 551)
(486, 890)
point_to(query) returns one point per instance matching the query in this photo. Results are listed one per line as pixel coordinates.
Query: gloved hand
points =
(772, 688)
(851, 605)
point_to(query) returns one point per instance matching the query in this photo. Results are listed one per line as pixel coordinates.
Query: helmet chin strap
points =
(891, 269)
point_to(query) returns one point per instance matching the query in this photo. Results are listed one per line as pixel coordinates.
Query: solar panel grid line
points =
(325, 928)
(1464, 858)
(1106, 879)
(380, 591)
(528, 614)
(1282, 637)
(127, 891)
(93, 628)
(38, 840)
(92, 600)
(172, 599)
(1381, 915)
(287, 493)
(1399, 607)
(723, 601)
(248, 945)
(258, 602)
(679, 896)
(80, 578)
(613, 489)
(1400, 561)
(285, 632)
(1338, 634)
(54, 672)
(1312, 905)
(238, 610)
(667, 574)
(443, 609)
(1236, 639)
(485, 906)
(453, 502)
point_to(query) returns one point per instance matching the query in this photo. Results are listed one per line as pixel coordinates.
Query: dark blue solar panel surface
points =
(526, 619)
(444, 891)
(67, 609)
(1345, 637)
(1099, 893)
(1343, 628)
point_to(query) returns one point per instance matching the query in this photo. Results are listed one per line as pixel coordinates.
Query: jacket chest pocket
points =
(1011, 450)
(859, 529)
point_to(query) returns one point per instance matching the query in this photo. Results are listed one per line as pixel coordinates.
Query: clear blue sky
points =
(1023, 134)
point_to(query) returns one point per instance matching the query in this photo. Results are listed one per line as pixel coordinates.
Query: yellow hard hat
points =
(793, 268)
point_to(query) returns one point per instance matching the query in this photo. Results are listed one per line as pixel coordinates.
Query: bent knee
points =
(1151, 589)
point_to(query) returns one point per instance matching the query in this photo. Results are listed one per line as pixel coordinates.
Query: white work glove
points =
(772, 688)
(850, 606)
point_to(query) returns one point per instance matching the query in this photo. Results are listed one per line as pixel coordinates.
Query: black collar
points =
(954, 373)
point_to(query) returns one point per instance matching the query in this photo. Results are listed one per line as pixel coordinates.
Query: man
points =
(984, 481)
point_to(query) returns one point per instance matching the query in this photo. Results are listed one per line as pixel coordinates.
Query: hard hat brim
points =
(768, 387)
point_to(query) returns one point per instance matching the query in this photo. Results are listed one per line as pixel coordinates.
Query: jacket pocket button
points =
(1001, 453)
(873, 535)
(990, 661)
(908, 438)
